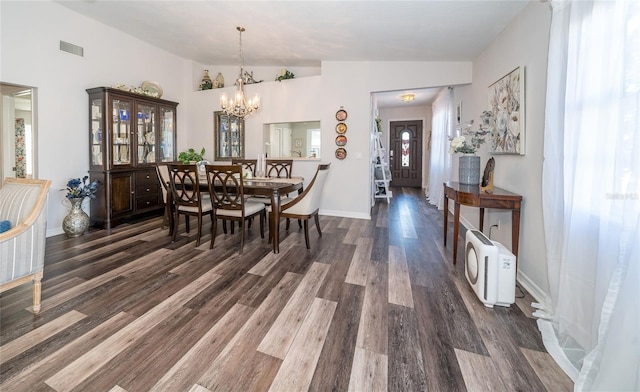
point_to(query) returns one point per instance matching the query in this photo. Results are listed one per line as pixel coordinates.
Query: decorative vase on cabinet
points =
(77, 221)
(220, 80)
(469, 169)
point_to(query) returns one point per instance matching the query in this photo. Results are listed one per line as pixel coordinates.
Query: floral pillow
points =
(5, 226)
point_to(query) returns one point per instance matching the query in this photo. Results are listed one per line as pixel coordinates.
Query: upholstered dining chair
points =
(247, 164)
(163, 177)
(228, 201)
(307, 204)
(189, 201)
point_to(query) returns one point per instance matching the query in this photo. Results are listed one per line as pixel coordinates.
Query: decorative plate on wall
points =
(341, 115)
(341, 128)
(341, 140)
(341, 153)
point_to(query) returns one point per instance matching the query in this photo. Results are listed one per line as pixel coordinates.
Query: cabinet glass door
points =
(167, 134)
(121, 132)
(96, 132)
(146, 131)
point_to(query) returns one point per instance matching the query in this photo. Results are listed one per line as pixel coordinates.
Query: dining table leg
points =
(274, 225)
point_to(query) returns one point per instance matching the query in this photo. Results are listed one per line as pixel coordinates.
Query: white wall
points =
(30, 33)
(523, 43)
(342, 84)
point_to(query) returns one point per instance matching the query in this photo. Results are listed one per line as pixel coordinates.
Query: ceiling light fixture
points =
(408, 97)
(239, 106)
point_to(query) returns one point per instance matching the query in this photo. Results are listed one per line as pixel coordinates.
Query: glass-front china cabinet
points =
(129, 134)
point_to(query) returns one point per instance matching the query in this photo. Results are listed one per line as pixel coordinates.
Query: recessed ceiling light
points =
(408, 97)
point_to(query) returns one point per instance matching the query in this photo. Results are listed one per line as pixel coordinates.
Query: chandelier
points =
(239, 106)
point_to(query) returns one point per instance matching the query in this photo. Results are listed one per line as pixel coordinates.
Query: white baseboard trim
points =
(54, 231)
(533, 289)
(344, 214)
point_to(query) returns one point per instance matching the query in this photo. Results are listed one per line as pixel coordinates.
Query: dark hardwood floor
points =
(373, 306)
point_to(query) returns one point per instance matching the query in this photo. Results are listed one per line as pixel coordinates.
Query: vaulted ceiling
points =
(304, 33)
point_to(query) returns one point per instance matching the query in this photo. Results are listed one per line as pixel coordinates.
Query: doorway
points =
(18, 131)
(405, 139)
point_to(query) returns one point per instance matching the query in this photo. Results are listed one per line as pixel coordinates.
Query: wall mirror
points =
(228, 137)
(293, 139)
(18, 132)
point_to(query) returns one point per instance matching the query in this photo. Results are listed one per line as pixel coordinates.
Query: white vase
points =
(469, 170)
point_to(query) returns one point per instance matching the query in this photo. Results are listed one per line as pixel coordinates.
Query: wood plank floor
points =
(373, 306)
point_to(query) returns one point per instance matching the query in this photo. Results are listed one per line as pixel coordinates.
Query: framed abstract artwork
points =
(506, 103)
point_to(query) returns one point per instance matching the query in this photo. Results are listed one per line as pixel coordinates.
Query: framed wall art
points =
(506, 103)
(228, 136)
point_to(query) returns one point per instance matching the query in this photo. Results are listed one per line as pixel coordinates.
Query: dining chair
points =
(247, 164)
(307, 204)
(279, 168)
(163, 177)
(228, 201)
(189, 201)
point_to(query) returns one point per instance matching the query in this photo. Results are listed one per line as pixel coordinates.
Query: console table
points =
(470, 195)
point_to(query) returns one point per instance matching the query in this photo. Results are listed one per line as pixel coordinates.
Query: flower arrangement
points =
(285, 74)
(460, 143)
(80, 188)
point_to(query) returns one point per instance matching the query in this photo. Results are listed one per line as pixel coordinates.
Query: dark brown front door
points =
(406, 156)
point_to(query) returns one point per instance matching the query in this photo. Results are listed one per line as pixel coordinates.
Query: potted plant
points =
(191, 156)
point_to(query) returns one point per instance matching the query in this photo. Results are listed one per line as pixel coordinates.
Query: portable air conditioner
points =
(490, 269)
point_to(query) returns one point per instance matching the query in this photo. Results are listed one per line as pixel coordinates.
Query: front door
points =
(406, 153)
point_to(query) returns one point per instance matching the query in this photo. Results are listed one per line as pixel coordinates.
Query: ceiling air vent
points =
(71, 48)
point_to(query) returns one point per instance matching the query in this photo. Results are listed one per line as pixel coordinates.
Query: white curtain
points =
(440, 163)
(591, 193)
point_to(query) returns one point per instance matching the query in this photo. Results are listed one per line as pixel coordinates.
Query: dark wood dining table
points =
(274, 188)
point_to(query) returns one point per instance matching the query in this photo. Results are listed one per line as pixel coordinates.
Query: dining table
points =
(274, 188)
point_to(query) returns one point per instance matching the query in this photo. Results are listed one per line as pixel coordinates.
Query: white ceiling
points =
(301, 33)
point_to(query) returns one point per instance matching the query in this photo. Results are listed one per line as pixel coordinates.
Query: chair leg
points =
(300, 223)
(37, 291)
(199, 230)
(306, 233)
(214, 229)
(186, 218)
(241, 228)
(176, 222)
(287, 225)
(224, 226)
(315, 217)
(262, 215)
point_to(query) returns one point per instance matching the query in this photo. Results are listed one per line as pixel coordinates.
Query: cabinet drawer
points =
(146, 177)
(145, 202)
(143, 189)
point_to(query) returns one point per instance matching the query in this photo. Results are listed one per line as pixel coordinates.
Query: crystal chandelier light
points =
(239, 106)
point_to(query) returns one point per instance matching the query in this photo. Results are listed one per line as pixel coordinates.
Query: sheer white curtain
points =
(440, 164)
(591, 193)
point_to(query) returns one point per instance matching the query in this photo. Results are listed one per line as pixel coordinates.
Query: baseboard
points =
(536, 292)
(344, 214)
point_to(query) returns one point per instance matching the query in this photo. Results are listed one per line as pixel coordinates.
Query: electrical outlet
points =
(498, 224)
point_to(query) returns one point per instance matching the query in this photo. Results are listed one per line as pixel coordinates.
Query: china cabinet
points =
(129, 134)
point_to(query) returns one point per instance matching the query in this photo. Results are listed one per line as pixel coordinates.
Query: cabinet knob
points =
(148, 189)
(148, 177)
